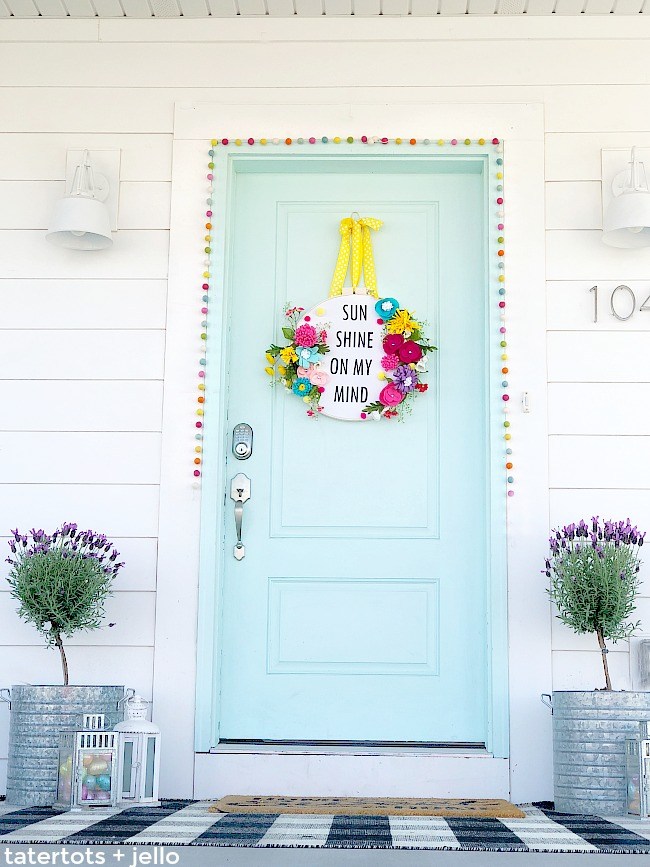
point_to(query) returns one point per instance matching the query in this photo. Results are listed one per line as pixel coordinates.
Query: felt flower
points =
(386, 307)
(308, 355)
(318, 377)
(288, 355)
(389, 362)
(421, 365)
(303, 371)
(392, 343)
(322, 336)
(389, 413)
(421, 386)
(405, 379)
(305, 335)
(301, 386)
(270, 359)
(390, 395)
(401, 322)
(409, 352)
(269, 370)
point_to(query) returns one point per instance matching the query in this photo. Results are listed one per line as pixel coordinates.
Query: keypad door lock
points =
(242, 441)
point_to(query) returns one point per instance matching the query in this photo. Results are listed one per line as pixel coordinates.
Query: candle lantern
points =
(637, 766)
(87, 762)
(139, 755)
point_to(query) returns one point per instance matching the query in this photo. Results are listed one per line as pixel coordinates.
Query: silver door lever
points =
(240, 492)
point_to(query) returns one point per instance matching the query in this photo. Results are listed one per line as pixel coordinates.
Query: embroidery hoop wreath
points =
(298, 366)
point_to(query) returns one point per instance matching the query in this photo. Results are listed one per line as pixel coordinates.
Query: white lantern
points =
(87, 761)
(139, 756)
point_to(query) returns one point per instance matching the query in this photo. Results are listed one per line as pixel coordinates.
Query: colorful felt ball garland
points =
(366, 140)
(503, 342)
(206, 277)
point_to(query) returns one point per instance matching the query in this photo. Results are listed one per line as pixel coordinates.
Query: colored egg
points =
(90, 782)
(102, 796)
(88, 760)
(97, 767)
(104, 782)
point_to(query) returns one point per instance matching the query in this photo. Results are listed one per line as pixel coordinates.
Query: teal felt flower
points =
(307, 355)
(302, 386)
(386, 308)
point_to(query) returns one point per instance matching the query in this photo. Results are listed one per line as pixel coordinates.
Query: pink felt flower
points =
(318, 377)
(392, 343)
(322, 336)
(390, 362)
(303, 372)
(390, 396)
(305, 335)
(409, 352)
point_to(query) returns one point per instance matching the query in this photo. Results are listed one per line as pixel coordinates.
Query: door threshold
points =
(352, 748)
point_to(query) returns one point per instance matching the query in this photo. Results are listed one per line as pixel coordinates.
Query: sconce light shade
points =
(81, 220)
(626, 223)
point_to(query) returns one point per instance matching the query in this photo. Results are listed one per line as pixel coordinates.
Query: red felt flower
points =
(392, 343)
(390, 396)
(421, 386)
(409, 352)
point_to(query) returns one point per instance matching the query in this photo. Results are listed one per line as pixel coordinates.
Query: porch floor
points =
(188, 824)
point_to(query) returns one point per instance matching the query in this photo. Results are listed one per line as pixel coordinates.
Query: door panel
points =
(359, 611)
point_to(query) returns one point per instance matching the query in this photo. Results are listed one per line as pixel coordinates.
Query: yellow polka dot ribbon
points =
(356, 243)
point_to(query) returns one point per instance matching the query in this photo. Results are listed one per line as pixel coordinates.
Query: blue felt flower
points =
(386, 308)
(302, 386)
(307, 355)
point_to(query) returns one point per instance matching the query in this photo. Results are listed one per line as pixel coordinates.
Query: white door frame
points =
(520, 126)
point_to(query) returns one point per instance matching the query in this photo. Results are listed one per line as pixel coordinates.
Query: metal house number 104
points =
(615, 302)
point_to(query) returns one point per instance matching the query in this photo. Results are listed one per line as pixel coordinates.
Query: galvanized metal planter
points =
(589, 731)
(38, 715)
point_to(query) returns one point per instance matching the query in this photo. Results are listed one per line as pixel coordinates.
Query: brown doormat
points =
(461, 808)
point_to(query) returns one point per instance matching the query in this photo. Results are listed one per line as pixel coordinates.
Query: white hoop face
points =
(353, 363)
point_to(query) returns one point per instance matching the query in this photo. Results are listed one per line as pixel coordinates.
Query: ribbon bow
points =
(356, 241)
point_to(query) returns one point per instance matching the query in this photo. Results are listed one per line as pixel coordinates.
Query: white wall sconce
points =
(82, 219)
(626, 216)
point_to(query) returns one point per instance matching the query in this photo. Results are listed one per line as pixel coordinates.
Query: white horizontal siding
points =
(123, 458)
(77, 354)
(124, 406)
(99, 304)
(117, 510)
(599, 409)
(82, 336)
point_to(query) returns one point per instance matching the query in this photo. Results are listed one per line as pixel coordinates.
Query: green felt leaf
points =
(288, 333)
(377, 406)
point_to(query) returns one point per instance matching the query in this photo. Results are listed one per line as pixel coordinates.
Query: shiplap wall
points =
(82, 335)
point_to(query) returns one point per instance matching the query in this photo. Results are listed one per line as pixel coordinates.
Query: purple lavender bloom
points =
(405, 379)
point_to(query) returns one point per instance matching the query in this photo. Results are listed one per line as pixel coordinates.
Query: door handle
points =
(240, 492)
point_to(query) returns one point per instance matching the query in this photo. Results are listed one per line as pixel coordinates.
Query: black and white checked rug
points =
(188, 823)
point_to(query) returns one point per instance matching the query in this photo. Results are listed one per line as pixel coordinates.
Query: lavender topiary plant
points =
(594, 572)
(62, 581)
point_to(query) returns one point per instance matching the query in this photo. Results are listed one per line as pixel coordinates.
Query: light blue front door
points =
(359, 610)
